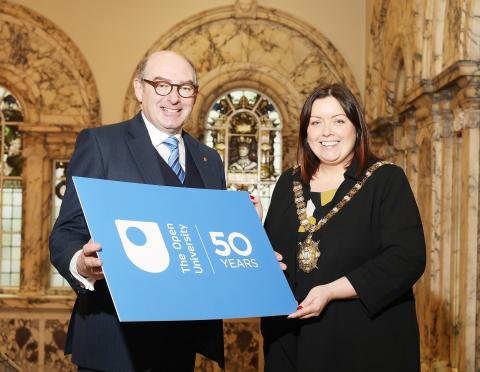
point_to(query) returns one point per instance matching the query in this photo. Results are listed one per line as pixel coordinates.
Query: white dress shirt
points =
(157, 137)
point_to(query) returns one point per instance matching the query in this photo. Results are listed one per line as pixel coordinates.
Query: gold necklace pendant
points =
(308, 254)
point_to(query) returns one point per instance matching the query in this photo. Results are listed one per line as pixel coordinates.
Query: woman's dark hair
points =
(309, 162)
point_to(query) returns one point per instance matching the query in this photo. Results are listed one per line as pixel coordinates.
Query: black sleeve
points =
(70, 231)
(281, 226)
(279, 200)
(401, 261)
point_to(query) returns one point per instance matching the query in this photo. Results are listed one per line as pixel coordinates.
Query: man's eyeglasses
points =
(163, 88)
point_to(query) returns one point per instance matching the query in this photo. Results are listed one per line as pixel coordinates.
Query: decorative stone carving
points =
(45, 70)
(249, 46)
(55, 337)
(20, 341)
(440, 110)
(273, 53)
(245, 8)
(55, 86)
(242, 345)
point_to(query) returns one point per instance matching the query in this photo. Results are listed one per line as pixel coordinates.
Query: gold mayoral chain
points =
(309, 252)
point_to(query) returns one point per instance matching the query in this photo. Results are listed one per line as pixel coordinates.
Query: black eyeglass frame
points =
(155, 84)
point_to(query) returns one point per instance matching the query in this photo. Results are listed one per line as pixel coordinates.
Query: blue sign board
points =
(172, 253)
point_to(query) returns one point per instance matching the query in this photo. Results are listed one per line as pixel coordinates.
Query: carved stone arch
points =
(397, 76)
(268, 50)
(22, 91)
(264, 79)
(46, 70)
(401, 77)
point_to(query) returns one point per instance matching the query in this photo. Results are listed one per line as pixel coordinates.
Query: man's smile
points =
(168, 109)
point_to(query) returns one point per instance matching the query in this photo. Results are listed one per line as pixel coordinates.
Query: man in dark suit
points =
(149, 148)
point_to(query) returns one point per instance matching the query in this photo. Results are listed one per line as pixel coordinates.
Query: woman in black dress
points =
(351, 238)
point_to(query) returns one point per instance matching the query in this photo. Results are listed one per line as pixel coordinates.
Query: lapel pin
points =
(205, 159)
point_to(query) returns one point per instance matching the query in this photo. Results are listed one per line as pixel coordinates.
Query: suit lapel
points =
(143, 152)
(201, 160)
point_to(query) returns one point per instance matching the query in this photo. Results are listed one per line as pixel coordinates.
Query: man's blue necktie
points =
(174, 159)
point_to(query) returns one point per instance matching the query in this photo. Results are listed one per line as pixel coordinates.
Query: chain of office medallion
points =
(301, 206)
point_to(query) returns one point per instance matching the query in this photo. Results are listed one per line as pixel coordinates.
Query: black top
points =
(377, 242)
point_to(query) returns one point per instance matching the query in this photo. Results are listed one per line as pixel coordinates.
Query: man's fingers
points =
(279, 256)
(88, 264)
(97, 270)
(92, 262)
(91, 248)
(97, 276)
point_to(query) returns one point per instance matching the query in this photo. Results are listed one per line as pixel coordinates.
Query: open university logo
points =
(144, 245)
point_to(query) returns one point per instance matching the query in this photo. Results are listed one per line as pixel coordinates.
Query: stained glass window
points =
(59, 181)
(244, 127)
(11, 118)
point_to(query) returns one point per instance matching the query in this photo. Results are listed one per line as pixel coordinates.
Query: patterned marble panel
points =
(203, 364)
(429, 36)
(439, 41)
(262, 43)
(454, 45)
(268, 50)
(20, 342)
(242, 345)
(442, 164)
(56, 86)
(393, 47)
(472, 34)
(55, 336)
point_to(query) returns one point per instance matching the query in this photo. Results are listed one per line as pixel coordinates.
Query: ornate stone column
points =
(41, 149)
(442, 230)
(35, 205)
(410, 148)
(469, 295)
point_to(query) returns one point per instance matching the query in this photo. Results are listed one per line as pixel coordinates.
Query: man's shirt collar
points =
(156, 135)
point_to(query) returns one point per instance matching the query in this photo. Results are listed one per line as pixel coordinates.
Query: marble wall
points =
(48, 74)
(45, 70)
(422, 102)
(243, 45)
(258, 48)
(423, 105)
(262, 49)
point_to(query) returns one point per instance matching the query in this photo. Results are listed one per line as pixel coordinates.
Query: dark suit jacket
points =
(123, 152)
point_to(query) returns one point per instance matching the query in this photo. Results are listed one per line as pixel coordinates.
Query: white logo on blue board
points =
(144, 245)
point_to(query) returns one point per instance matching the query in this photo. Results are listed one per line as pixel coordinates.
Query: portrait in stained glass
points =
(244, 126)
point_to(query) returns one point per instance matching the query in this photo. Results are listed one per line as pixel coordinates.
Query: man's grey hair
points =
(140, 71)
